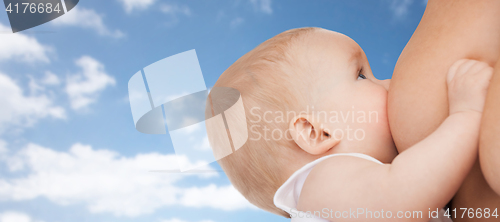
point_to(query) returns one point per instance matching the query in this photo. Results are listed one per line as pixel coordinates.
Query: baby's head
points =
(307, 93)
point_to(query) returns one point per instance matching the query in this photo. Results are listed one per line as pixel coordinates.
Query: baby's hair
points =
(257, 169)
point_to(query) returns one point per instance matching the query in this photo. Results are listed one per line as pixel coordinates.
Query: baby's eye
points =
(361, 76)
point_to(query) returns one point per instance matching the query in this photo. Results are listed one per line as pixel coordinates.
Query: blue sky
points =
(68, 147)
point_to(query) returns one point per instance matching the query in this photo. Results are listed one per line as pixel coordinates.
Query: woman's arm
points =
(489, 147)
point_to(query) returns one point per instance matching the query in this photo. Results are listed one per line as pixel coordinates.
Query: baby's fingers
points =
(468, 82)
(477, 67)
(465, 66)
(484, 76)
(454, 68)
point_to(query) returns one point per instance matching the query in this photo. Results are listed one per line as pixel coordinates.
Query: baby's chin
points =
(387, 151)
(379, 144)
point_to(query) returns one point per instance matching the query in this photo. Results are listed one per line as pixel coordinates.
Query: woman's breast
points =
(417, 103)
(448, 31)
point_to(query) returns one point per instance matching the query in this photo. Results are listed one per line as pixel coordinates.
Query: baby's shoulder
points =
(334, 177)
(339, 165)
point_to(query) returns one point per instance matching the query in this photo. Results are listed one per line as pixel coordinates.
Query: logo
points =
(204, 125)
(26, 14)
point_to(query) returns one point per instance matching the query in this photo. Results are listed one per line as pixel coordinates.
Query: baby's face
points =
(344, 88)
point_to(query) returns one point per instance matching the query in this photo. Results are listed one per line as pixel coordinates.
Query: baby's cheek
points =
(374, 109)
(379, 105)
(372, 115)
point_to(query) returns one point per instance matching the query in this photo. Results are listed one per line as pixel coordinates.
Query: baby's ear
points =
(311, 136)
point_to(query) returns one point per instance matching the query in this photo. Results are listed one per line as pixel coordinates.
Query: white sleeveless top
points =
(287, 196)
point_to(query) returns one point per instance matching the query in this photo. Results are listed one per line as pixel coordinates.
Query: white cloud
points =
(33, 86)
(132, 5)
(3, 148)
(86, 18)
(50, 79)
(174, 11)
(23, 110)
(236, 22)
(13, 216)
(400, 7)
(179, 220)
(220, 15)
(262, 6)
(205, 144)
(22, 47)
(225, 198)
(105, 181)
(84, 88)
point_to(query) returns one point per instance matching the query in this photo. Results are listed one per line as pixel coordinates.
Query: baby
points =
(319, 146)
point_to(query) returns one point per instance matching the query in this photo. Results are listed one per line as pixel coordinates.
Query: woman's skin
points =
(489, 144)
(450, 30)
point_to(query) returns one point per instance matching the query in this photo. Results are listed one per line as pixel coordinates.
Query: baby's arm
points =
(424, 177)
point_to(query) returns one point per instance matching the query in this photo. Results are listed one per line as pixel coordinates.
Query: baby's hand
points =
(468, 82)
